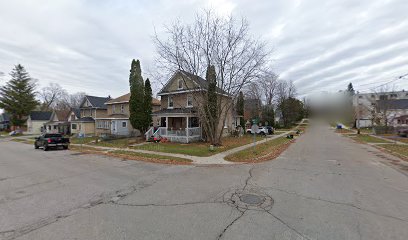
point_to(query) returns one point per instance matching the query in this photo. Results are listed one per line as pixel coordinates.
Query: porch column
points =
(167, 125)
(187, 128)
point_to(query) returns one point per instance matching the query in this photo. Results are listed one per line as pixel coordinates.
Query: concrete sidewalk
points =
(218, 158)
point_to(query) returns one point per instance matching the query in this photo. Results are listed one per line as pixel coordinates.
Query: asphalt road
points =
(323, 187)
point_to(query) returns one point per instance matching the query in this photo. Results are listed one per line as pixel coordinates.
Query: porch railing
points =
(181, 135)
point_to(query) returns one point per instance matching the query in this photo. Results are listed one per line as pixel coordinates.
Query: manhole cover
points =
(251, 199)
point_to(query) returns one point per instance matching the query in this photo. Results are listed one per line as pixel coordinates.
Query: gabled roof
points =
(85, 119)
(62, 115)
(125, 99)
(200, 82)
(96, 102)
(392, 104)
(40, 116)
(77, 112)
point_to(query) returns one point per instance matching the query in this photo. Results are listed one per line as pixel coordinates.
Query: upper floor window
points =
(393, 95)
(170, 102)
(113, 108)
(189, 101)
(180, 84)
(122, 108)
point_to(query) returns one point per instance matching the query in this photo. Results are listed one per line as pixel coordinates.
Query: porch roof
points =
(175, 111)
(85, 119)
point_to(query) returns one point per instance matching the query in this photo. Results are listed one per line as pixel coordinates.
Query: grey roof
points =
(85, 119)
(392, 104)
(40, 116)
(77, 112)
(175, 111)
(201, 82)
(98, 102)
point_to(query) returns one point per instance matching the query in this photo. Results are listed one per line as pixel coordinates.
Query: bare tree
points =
(286, 102)
(384, 105)
(76, 99)
(269, 85)
(254, 91)
(50, 95)
(224, 43)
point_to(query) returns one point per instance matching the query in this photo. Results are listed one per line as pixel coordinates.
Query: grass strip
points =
(263, 152)
(149, 157)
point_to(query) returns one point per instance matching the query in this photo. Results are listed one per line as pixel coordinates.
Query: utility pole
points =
(358, 114)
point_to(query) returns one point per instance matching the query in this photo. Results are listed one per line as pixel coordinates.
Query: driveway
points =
(323, 187)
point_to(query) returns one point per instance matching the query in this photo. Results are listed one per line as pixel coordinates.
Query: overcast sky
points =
(87, 45)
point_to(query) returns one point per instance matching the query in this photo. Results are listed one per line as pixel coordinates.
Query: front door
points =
(113, 127)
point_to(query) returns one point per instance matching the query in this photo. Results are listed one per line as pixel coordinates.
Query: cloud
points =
(320, 45)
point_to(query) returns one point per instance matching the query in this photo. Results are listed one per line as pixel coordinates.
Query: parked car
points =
(261, 130)
(403, 132)
(54, 140)
(271, 130)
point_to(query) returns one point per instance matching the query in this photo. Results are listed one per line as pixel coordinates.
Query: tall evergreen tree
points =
(17, 97)
(240, 108)
(212, 117)
(136, 102)
(350, 89)
(148, 103)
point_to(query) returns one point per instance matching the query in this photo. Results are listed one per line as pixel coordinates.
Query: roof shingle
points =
(40, 116)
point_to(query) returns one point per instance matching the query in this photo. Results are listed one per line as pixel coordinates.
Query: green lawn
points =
(149, 157)
(199, 149)
(120, 143)
(263, 151)
(82, 140)
(367, 138)
(394, 148)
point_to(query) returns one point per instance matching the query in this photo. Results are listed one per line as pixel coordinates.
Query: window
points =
(49, 127)
(372, 96)
(393, 95)
(360, 96)
(122, 108)
(180, 84)
(74, 126)
(399, 121)
(102, 124)
(189, 101)
(170, 102)
(113, 108)
(55, 127)
(124, 124)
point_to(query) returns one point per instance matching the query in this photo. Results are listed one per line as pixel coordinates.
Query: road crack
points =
(101, 199)
(163, 205)
(230, 224)
(288, 226)
(249, 177)
(339, 203)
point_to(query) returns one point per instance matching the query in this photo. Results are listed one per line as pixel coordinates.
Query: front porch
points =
(183, 129)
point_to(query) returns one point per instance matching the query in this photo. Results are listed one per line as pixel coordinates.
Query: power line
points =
(397, 78)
